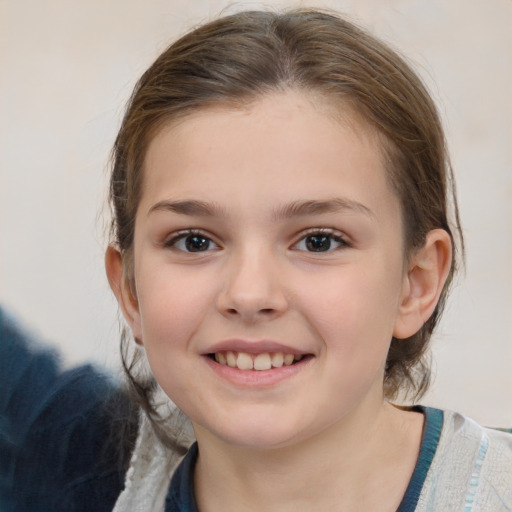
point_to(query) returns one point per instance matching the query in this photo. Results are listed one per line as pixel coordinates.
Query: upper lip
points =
(253, 347)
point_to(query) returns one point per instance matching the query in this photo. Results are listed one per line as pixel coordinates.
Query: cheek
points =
(354, 311)
(352, 297)
(172, 305)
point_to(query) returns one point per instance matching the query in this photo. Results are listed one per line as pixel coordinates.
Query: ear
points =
(427, 272)
(123, 291)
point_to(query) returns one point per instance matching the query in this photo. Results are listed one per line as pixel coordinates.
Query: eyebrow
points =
(189, 207)
(299, 208)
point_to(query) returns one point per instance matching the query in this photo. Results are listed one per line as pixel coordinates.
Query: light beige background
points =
(66, 70)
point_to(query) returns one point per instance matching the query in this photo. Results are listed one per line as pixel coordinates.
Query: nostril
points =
(263, 312)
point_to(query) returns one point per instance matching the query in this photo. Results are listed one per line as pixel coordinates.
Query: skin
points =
(323, 437)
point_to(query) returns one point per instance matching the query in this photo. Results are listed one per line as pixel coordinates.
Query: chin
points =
(257, 439)
(259, 433)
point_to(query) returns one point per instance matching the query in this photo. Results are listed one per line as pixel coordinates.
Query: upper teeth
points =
(263, 361)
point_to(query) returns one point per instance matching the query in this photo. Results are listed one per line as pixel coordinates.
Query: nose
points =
(252, 291)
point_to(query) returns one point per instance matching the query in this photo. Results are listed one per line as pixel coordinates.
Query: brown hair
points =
(238, 58)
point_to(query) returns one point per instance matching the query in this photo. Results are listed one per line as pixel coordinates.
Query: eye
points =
(191, 241)
(320, 241)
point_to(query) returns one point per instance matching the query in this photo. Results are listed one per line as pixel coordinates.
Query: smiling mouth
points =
(258, 362)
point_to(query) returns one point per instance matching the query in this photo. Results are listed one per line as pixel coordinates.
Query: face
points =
(268, 268)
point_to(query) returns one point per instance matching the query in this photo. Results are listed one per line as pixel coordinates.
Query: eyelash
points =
(330, 234)
(183, 235)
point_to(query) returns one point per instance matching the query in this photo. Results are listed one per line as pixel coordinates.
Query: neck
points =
(362, 462)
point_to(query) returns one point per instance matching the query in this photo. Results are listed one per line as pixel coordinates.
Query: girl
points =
(281, 252)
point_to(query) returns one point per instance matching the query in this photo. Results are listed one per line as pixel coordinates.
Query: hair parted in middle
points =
(237, 59)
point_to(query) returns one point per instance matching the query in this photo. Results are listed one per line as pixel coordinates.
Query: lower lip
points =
(257, 378)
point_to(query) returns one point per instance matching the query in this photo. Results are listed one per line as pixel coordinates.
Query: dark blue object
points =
(61, 432)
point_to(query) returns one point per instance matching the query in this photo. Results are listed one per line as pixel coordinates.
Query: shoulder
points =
(471, 469)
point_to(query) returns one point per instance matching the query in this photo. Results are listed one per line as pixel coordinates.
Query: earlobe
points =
(427, 273)
(123, 291)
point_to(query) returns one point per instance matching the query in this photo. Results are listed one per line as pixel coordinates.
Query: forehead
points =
(274, 148)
